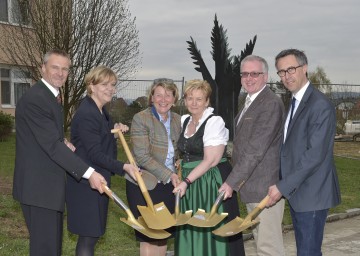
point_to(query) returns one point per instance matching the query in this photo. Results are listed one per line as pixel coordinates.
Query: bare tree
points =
(320, 80)
(93, 32)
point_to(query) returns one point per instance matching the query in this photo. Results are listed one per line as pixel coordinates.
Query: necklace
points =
(195, 123)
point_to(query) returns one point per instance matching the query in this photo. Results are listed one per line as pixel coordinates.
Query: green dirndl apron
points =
(202, 193)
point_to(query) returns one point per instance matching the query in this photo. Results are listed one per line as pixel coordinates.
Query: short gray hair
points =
(55, 52)
(265, 66)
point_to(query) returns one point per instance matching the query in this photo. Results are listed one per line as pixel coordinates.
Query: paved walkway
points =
(342, 237)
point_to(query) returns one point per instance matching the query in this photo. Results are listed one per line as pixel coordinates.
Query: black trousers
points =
(45, 229)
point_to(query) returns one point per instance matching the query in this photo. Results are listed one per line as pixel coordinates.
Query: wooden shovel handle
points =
(139, 179)
(254, 213)
(125, 145)
(107, 191)
(263, 202)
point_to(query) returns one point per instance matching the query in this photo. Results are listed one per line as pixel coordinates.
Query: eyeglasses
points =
(163, 80)
(252, 74)
(290, 71)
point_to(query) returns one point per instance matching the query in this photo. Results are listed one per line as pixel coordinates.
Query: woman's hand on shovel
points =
(175, 180)
(131, 169)
(182, 187)
(122, 127)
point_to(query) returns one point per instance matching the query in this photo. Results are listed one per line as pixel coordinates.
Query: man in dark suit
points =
(256, 150)
(43, 156)
(309, 180)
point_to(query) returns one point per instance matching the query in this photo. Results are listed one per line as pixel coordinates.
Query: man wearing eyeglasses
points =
(308, 175)
(258, 136)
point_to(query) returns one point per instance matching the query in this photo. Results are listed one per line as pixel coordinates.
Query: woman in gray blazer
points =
(154, 135)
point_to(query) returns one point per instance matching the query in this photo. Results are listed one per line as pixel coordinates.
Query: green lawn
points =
(119, 238)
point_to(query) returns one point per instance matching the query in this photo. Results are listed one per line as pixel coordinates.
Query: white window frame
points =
(13, 81)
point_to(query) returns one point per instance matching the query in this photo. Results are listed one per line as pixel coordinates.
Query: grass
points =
(119, 238)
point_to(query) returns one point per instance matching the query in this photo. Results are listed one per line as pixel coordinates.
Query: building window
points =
(4, 16)
(14, 84)
(14, 11)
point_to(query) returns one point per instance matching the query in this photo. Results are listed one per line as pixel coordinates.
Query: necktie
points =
(247, 104)
(58, 99)
(292, 109)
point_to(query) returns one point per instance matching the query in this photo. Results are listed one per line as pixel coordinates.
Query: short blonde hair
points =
(98, 75)
(167, 84)
(197, 84)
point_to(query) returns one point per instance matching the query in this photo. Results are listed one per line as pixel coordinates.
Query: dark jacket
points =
(96, 145)
(42, 158)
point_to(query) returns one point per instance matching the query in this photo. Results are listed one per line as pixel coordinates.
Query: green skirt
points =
(202, 193)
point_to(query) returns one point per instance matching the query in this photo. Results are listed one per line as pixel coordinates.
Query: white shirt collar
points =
(253, 97)
(300, 94)
(52, 89)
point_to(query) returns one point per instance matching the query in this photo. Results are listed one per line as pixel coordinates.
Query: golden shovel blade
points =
(140, 226)
(159, 218)
(234, 227)
(182, 218)
(206, 220)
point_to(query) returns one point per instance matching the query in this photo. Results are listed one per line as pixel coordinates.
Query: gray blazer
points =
(309, 179)
(256, 148)
(150, 142)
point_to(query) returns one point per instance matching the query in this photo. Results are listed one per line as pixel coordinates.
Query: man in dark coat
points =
(43, 156)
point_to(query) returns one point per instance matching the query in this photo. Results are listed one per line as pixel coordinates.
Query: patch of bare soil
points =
(14, 228)
(347, 148)
(12, 223)
(5, 185)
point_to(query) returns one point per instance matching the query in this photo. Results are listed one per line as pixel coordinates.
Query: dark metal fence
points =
(130, 90)
(345, 97)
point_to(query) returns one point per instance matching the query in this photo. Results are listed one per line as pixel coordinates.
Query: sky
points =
(328, 31)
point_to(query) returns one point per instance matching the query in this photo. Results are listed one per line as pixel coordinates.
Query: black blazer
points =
(96, 145)
(41, 154)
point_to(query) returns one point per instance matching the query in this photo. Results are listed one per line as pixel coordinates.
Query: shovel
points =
(206, 220)
(181, 218)
(138, 224)
(156, 216)
(149, 179)
(238, 224)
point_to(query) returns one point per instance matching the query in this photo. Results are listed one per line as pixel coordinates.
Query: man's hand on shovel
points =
(274, 196)
(228, 190)
(97, 181)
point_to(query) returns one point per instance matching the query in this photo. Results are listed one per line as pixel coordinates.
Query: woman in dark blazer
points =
(96, 145)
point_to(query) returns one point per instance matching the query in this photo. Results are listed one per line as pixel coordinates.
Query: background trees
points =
(320, 80)
(93, 32)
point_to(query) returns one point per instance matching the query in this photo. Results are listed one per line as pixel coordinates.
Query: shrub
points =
(6, 125)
